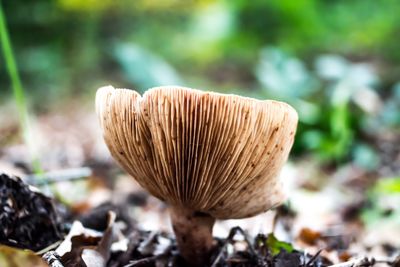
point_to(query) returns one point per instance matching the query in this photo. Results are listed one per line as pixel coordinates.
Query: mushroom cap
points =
(214, 153)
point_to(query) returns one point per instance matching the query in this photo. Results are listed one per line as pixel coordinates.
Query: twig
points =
(148, 260)
(364, 262)
(48, 248)
(58, 176)
(146, 247)
(143, 262)
(229, 239)
(172, 260)
(52, 259)
(234, 231)
(221, 252)
(313, 258)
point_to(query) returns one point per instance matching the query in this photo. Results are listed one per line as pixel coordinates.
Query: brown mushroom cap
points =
(209, 152)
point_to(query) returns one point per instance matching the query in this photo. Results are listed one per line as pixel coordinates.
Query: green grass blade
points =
(18, 90)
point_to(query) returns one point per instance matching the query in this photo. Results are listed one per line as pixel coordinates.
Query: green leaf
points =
(383, 194)
(275, 246)
(388, 186)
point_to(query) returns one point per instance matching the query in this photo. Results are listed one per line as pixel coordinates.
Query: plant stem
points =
(18, 90)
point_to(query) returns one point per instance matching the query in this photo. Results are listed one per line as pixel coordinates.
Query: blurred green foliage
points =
(336, 62)
(382, 198)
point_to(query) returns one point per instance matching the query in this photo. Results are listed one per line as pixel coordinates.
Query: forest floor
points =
(90, 213)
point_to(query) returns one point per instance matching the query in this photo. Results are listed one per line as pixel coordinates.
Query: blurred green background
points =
(337, 62)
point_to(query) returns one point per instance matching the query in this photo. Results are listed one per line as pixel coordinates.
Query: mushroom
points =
(208, 155)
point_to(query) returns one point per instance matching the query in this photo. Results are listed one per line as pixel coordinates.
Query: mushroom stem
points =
(193, 231)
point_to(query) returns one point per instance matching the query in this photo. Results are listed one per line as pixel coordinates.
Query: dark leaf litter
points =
(29, 220)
